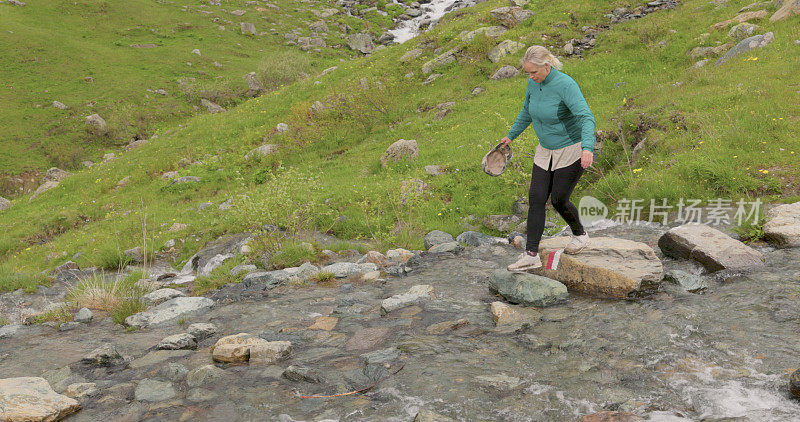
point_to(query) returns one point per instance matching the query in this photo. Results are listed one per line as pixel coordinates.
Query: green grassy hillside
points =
(715, 132)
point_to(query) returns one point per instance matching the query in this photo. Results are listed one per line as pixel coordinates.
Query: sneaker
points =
(577, 244)
(525, 262)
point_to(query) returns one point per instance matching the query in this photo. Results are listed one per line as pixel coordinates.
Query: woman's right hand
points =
(505, 141)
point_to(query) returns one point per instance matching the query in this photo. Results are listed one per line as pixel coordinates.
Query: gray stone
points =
(489, 31)
(169, 311)
(105, 355)
(400, 149)
(97, 125)
(134, 255)
(203, 375)
(4, 204)
(417, 294)
(789, 7)
(430, 416)
(262, 151)
(318, 26)
(782, 225)
(32, 399)
(59, 105)
(710, 247)
(434, 170)
(742, 30)
(410, 55)
(301, 373)
(154, 391)
(161, 295)
(44, 187)
(68, 326)
(361, 42)
(61, 378)
(178, 342)
(747, 44)
(80, 390)
(185, 179)
(690, 282)
(503, 49)
(229, 244)
(606, 267)
(501, 223)
(381, 356)
(501, 382)
(84, 316)
(436, 237)
(173, 371)
(248, 28)
(451, 247)
(197, 395)
(281, 127)
(247, 268)
(345, 269)
(430, 78)
(201, 330)
(505, 72)
(510, 16)
(474, 238)
(8, 331)
(211, 106)
(254, 85)
(271, 279)
(527, 289)
(213, 263)
(441, 60)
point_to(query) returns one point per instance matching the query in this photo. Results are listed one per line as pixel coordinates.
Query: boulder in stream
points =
(782, 225)
(32, 399)
(710, 247)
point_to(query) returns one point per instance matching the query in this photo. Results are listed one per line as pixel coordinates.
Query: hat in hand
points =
(495, 161)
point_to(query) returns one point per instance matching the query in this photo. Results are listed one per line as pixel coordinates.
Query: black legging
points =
(558, 185)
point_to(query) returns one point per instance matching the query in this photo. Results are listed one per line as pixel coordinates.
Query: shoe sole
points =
(524, 269)
(575, 252)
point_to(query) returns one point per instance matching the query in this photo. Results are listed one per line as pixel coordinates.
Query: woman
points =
(565, 128)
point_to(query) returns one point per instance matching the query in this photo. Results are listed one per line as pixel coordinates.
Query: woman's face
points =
(535, 72)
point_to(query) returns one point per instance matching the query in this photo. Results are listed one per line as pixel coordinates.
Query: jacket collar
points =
(550, 76)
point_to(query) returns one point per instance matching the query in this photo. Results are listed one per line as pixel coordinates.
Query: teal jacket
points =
(558, 111)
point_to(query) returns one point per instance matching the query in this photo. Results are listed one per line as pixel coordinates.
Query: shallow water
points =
(432, 11)
(670, 356)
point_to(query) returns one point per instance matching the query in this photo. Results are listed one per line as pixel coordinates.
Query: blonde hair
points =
(540, 56)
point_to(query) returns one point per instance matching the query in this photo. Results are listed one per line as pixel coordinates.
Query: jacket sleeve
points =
(523, 118)
(573, 98)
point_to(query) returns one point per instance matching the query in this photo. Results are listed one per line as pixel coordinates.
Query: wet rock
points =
(301, 373)
(202, 375)
(262, 151)
(436, 237)
(67, 326)
(84, 316)
(782, 225)
(169, 311)
(440, 60)
(202, 330)
(501, 382)
(161, 295)
(417, 294)
(81, 390)
(211, 106)
(96, 124)
(153, 390)
(401, 149)
(105, 355)
(178, 342)
(173, 371)
(611, 416)
(345, 269)
(269, 352)
(449, 247)
(527, 289)
(503, 49)
(789, 7)
(710, 247)
(430, 416)
(156, 357)
(794, 383)
(197, 395)
(367, 338)
(62, 378)
(324, 323)
(606, 267)
(244, 347)
(690, 282)
(474, 238)
(747, 44)
(510, 16)
(381, 356)
(32, 399)
(446, 326)
(489, 31)
(501, 223)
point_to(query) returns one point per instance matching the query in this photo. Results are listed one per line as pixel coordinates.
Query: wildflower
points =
(637, 170)
(735, 156)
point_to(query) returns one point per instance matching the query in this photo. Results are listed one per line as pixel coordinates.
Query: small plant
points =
(119, 297)
(322, 277)
(60, 314)
(181, 322)
(749, 232)
(111, 258)
(126, 309)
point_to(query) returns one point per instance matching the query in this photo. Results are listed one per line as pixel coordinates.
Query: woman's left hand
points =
(586, 158)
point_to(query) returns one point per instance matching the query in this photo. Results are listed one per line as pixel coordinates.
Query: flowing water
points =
(670, 356)
(431, 13)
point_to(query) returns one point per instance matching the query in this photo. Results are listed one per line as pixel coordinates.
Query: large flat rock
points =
(31, 399)
(607, 267)
(710, 247)
(169, 311)
(782, 225)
